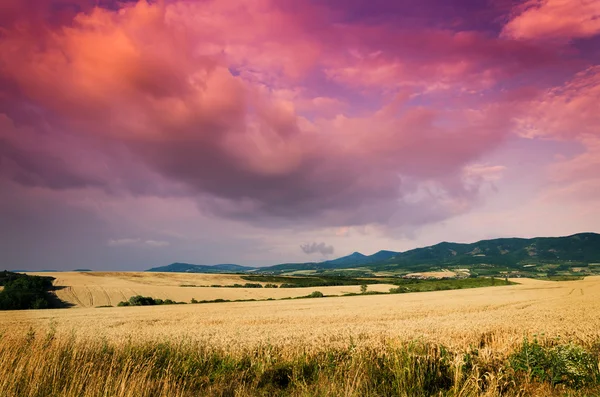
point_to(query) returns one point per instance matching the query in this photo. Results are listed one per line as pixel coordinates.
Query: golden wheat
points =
(92, 289)
(351, 344)
(497, 317)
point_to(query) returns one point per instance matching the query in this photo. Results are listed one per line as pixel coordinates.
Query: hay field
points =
(458, 318)
(92, 289)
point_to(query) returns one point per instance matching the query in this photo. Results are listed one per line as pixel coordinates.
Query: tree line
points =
(22, 291)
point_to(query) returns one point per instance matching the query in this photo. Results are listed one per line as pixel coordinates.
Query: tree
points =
(363, 288)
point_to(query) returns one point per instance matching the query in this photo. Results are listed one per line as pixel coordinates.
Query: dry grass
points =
(92, 289)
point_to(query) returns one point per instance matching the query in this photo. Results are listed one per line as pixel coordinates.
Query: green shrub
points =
(567, 364)
(253, 285)
(315, 294)
(139, 300)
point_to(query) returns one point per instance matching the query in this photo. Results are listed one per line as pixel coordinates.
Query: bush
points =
(139, 300)
(315, 294)
(287, 285)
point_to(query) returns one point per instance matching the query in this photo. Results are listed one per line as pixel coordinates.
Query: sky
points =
(139, 133)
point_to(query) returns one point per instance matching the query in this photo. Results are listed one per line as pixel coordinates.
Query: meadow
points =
(535, 338)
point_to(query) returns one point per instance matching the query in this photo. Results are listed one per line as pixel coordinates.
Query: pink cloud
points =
(569, 113)
(554, 19)
(435, 59)
(231, 116)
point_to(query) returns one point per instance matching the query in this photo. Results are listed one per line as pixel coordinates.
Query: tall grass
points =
(36, 365)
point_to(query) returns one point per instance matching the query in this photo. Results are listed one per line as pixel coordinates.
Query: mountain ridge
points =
(574, 250)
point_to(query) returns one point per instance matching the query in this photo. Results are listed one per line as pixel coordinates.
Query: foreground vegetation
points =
(51, 365)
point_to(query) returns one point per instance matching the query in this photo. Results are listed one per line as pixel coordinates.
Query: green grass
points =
(412, 285)
(564, 278)
(313, 281)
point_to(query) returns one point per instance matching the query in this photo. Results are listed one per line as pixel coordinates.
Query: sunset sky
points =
(136, 134)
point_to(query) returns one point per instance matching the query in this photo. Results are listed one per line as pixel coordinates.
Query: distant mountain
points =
(189, 268)
(356, 259)
(502, 253)
(582, 248)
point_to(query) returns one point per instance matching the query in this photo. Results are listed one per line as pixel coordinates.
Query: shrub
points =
(139, 300)
(253, 285)
(315, 294)
(564, 364)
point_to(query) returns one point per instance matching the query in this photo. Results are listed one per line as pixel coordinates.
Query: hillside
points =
(547, 256)
(563, 252)
(189, 268)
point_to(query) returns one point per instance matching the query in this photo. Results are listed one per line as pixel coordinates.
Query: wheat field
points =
(568, 309)
(92, 289)
(470, 342)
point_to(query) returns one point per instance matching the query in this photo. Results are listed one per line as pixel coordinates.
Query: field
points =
(457, 318)
(492, 322)
(440, 274)
(92, 289)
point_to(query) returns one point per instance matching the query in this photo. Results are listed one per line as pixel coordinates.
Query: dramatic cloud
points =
(329, 116)
(317, 248)
(135, 79)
